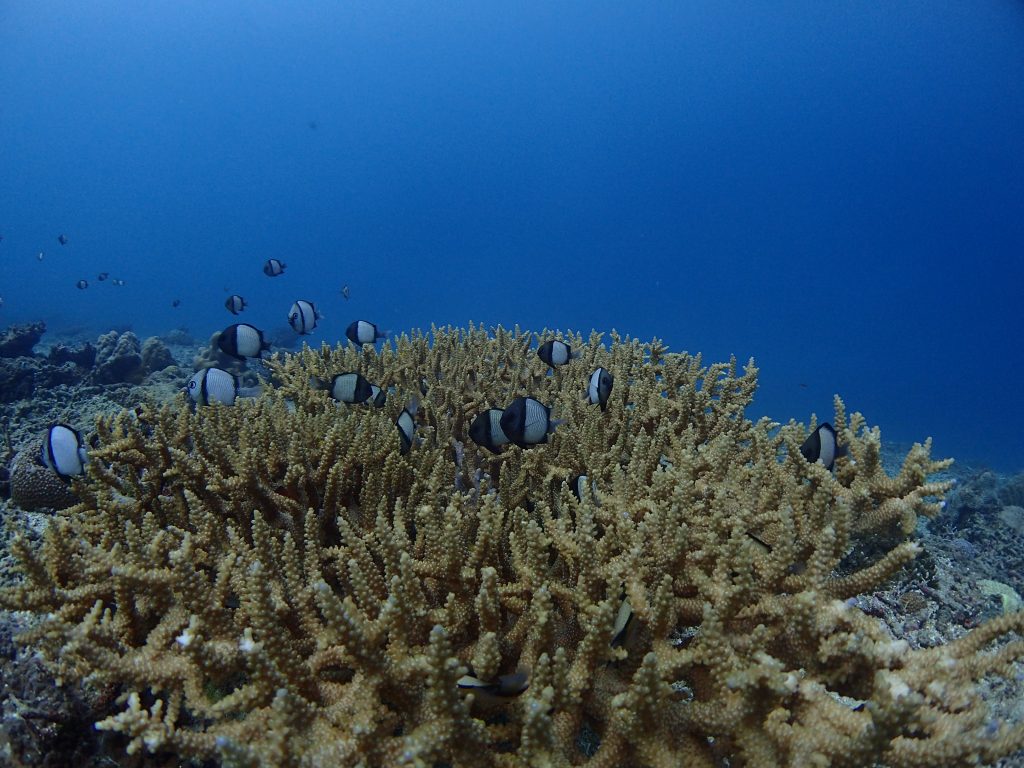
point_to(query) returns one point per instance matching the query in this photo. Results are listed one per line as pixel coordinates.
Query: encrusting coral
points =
(34, 486)
(275, 584)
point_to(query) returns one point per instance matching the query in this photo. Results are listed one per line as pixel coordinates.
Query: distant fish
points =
(102, 276)
(176, 303)
(82, 285)
(117, 281)
(345, 292)
(235, 303)
(62, 239)
(406, 424)
(821, 446)
(556, 353)
(364, 332)
(241, 341)
(527, 422)
(302, 316)
(1, 301)
(486, 432)
(273, 268)
(39, 256)
(64, 451)
(600, 388)
(214, 385)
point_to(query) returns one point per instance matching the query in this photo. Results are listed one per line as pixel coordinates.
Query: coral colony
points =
(290, 581)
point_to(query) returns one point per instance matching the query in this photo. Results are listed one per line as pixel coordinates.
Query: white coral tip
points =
(247, 644)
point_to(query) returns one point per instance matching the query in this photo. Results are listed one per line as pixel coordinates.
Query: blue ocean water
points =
(836, 189)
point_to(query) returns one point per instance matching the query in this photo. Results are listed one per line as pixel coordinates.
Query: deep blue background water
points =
(836, 189)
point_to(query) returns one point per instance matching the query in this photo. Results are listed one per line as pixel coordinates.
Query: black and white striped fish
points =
(215, 385)
(302, 316)
(556, 353)
(352, 388)
(486, 432)
(501, 688)
(241, 341)
(821, 446)
(273, 267)
(364, 332)
(527, 422)
(600, 388)
(406, 424)
(235, 303)
(64, 451)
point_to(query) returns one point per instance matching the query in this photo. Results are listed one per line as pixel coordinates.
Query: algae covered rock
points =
(155, 355)
(18, 340)
(118, 359)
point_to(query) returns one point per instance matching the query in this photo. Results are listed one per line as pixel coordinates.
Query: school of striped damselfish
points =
(525, 422)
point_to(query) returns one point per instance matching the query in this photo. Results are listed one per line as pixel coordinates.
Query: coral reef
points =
(83, 356)
(18, 340)
(275, 583)
(118, 359)
(179, 337)
(23, 377)
(155, 355)
(36, 487)
(21, 372)
(42, 724)
(17, 378)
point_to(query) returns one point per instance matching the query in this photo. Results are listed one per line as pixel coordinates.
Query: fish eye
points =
(191, 385)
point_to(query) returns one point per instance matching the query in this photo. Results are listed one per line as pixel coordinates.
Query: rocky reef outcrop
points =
(118, 359)
(18, 340)
(115, 358)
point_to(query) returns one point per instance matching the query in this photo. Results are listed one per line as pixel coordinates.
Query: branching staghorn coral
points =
(274, 584)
